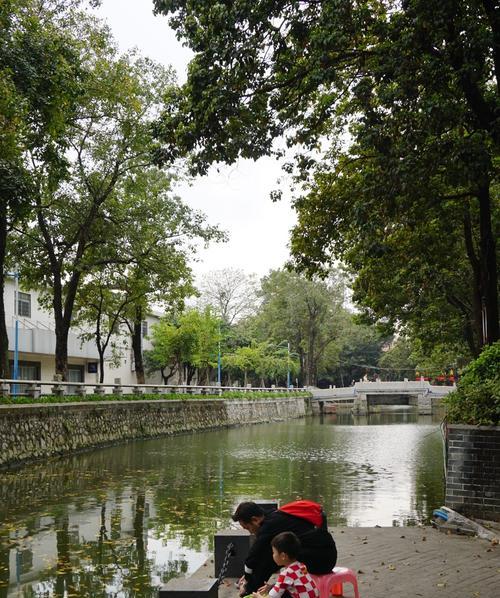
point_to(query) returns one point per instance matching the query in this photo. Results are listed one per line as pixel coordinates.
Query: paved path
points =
(406, 562)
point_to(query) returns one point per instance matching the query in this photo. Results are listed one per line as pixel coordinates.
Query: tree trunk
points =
(63, 312)
(166, 377)
(472, 327)
(190, 372)
(489, 273)
(61, 357)
(310, 359)
(101, 363)
(137, 346)
(4, 340)
(180, 369)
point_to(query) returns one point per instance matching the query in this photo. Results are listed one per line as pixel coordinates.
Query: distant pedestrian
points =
(293, 577)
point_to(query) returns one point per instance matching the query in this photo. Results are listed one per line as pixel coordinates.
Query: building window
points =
(24, 305)
(27, 370)
(76, 373)
(144, 329)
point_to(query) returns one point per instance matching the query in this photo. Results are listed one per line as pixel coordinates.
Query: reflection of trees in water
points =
(4, 563)
(106, 565)
(429, 477)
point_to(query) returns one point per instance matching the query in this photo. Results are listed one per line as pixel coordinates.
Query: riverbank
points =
(32, 432)
(410, 561)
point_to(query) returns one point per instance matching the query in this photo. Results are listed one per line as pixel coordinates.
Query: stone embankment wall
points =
(473, 471)
(32, 432)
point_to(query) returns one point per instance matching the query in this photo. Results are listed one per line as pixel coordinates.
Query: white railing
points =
(34, 388)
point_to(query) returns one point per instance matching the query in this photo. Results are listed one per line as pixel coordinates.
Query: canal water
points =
(120, 521)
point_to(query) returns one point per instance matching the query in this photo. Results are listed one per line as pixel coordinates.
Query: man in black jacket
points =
(318, 553)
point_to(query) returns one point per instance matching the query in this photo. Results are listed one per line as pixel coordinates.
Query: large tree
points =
(230, 292)
(185, 344)
(40, 82)
(412, 87)
(109, 140)
(302, 313)
(148, 239)
(163, 234)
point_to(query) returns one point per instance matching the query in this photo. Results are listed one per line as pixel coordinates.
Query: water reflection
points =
(121, 521)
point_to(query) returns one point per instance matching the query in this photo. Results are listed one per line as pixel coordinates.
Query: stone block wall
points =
(473, 471)
(32, 432)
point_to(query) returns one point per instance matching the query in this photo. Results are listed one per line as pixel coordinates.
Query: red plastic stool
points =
(331, 583)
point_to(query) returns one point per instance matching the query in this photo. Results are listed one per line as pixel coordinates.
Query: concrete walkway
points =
(403, 562)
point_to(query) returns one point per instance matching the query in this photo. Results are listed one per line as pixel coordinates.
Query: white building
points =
(37, 344)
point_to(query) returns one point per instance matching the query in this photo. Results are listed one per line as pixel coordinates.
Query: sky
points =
(234, 197)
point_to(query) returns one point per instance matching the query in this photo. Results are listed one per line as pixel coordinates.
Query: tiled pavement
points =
(407, 562)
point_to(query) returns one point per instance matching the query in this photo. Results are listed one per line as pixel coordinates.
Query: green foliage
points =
(168, 396)
(302, 312)
(108, 206)
(41, 80)
(398, 361)
(485, 367)
(188, 340)
(477, 398)
(150, 237)
(261, 362)
(393, 109)
(357, 351)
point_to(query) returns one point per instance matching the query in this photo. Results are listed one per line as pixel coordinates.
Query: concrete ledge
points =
(190, 587)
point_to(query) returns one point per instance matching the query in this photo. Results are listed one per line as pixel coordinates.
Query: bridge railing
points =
(372, 388)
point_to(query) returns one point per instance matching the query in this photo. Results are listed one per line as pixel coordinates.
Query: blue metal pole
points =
(219, 362)
(16, 333)
(288, 366)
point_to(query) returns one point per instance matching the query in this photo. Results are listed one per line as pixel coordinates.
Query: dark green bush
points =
(477, 398)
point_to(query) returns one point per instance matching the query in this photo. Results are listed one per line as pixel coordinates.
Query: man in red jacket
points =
(305, 519)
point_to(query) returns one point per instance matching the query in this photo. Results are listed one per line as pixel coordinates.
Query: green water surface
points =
(120, 521)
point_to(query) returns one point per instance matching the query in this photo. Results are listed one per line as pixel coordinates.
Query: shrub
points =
(477, 398)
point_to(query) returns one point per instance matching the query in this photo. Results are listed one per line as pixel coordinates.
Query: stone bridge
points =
(362, 395)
